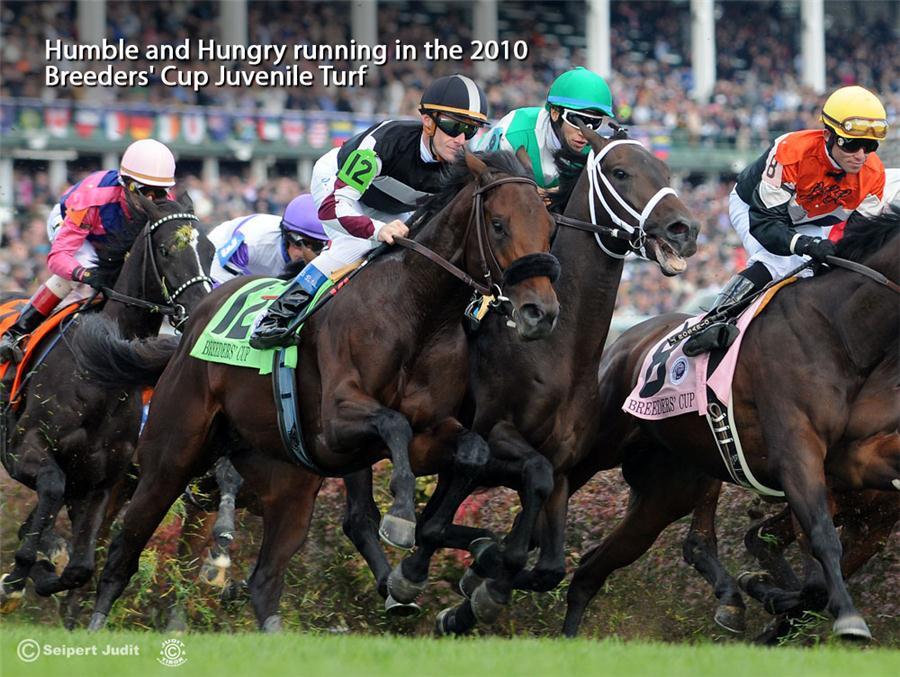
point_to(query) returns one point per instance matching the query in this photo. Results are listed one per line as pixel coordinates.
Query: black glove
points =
(88, 276)
(816, 248)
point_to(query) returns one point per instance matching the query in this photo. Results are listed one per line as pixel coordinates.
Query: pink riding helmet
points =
(149, 162)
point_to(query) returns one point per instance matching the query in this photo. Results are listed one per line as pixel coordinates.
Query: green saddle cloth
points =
(225, 339)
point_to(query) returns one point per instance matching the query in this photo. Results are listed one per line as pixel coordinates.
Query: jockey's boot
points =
(275, 327)
(720, 335)
(29, 320)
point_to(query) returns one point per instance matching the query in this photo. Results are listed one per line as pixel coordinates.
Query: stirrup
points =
(718, 336)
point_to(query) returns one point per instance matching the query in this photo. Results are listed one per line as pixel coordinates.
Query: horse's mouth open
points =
(670, 261)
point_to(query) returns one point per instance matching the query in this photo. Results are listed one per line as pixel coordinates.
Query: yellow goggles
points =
(860, 127)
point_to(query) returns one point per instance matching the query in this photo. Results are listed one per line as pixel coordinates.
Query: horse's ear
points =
(475, 164)
(187, 204)
(524, 159)
(597, 142)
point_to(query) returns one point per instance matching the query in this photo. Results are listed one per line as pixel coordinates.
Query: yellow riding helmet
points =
(855, 113)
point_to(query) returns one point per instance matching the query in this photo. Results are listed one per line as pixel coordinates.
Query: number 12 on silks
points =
(359, 169)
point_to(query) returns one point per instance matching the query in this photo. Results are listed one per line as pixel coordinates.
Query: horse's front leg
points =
(215, 567)
(360, 525)
(469, 460)
(550, 569)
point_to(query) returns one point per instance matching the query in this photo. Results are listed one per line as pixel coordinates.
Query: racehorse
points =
(535, 402)
(72, 440)
(814, 396)
(382, 365)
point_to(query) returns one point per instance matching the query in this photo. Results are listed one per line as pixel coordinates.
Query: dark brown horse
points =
(71, 440)
(813, 383)
(382, 365)
(535, 402)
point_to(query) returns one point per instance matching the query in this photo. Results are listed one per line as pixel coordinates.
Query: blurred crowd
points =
(644, 291)
(758, 91)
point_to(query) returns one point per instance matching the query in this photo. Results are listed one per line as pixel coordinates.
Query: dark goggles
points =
(573, 117)
(153, 192)
(853, 145)
(298, 240)
(453, 127)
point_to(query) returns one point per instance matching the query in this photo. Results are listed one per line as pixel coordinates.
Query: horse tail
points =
(108, 359)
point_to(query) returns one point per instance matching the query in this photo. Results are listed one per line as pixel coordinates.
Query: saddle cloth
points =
(672, 384)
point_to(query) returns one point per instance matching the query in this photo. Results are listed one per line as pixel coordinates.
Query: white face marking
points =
(195, 240)
(896, 484)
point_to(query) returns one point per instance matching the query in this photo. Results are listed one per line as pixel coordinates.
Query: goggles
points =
(153, 192)
(853, 145)
(453, 128)
(856, 127)
(573, 117)
(298, 240)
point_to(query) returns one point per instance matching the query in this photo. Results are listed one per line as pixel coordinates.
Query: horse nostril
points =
(678, 229)
(532, 313)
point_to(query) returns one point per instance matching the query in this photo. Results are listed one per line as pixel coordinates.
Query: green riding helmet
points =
(581, 89)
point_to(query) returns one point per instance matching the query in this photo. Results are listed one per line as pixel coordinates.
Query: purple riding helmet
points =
(301, 221)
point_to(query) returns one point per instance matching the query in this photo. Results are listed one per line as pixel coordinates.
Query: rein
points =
(863, 270)
(540, 264)
(175, 311)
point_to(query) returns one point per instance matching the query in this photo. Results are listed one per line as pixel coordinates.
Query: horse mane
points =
(864, 236)
(457, 175)
(570, 166)
(112, 252)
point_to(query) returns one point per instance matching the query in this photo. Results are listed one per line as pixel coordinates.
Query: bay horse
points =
(70, 439)
(535, 402)
(382, 365)
(815, 383)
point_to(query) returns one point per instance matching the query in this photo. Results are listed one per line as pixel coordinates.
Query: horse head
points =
(631, 186)
(512, 242)
(163, 264)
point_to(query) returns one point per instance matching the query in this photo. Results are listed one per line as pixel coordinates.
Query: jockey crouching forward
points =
(784, 204)
(263, 244)
(549, 133)
(365, 189)
(88, 213)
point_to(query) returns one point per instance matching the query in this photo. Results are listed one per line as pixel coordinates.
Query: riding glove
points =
(816, 248)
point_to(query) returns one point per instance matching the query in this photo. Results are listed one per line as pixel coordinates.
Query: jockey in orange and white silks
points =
(91, 211)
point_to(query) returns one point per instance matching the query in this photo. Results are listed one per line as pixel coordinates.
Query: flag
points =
(267, 128)
(168, 125)
(140, 125)
(86, 122)
(56, 120)
(292, 129)
(114, 122)
(219, 126)
(317, 136)
(30, 118)
(194, 125)
(244, 128)
(341, 130)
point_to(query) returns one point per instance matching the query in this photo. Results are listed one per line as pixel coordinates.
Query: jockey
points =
(367, 188)
(87, 213)
(262, 244)
(784, 204)
(549, 131)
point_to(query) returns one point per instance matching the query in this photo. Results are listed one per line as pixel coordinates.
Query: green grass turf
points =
(347, 656)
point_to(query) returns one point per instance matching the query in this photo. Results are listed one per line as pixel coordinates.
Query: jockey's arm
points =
(72, 234)
(342, 210)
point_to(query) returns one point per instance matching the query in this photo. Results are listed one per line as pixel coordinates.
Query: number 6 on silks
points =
(359, 169)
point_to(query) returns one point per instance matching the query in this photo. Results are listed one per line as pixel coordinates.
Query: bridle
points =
(490, 292)
(175, 311)
(633, 233)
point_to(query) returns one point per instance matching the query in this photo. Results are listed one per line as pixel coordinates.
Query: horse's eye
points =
(620, 174)
(163, 251)
(497, 225)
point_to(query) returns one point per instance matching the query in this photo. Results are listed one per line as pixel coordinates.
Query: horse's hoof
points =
(485, 607)
(98, 622)
(177, 622)
(214, 572)
(745, 578)
(235, 591)
(852, 627)
(272, 624)
(469, 581)
(395, 609)
(9, 601)
(397, 532)
(731, 618)
(401, 588)
(58, 558)
(440, 623)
